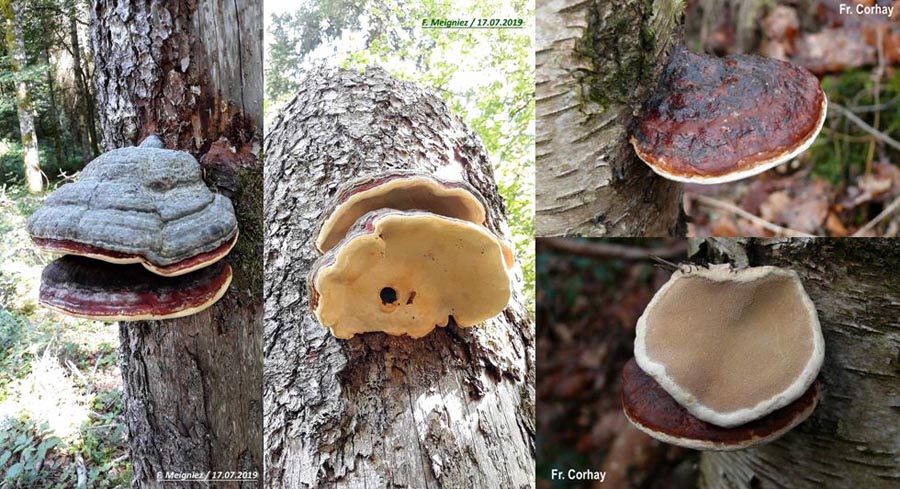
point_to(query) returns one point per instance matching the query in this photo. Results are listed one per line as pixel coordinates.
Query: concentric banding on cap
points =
(138, 205)
(92, 289)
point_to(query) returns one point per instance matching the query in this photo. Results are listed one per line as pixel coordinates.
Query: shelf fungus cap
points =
(407, 272)
(138, 205)
(92, 289)
(714, 120)
(731, 346)
(652, 410)
(401, 190)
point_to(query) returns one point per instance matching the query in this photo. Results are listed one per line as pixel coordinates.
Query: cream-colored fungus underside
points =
(437, 268)
(401, 194)
(731, 345)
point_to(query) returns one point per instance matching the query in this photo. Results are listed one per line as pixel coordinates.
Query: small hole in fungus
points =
(412, 295)
(388, 295)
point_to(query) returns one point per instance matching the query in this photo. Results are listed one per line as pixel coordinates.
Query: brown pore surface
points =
(713, 116)
(731, 344)
(648, 405)
(94, 289)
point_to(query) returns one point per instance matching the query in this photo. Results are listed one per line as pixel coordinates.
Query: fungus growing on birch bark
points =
(714, 120)
(407, 272)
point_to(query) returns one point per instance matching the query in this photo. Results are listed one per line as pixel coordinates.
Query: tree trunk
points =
(852, 438)
(54, 111)
(453, 409)
(596, 61)
(190, 71)
(85, 100)
(15, 43)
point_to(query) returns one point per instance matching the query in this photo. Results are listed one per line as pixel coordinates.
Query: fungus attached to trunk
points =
(652, 410)
(138, 205)
(407, 272)
(731, 346)
(400, 190)
(93, 289)
(713, 120)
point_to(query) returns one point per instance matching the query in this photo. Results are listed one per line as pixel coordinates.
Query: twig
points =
(887, 211)
(608, 250)
(859, 109)
(865, 127)
(80, 471)
(725, 206)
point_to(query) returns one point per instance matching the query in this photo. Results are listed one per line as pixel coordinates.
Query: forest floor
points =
(60, 384)
(848, 182)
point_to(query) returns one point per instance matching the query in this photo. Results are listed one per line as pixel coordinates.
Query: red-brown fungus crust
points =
(651, 409)
(710, 117)
(178, 268)
(94, 289)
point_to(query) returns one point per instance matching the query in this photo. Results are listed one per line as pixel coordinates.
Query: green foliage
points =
(60, 388)
(484, 75)
(12, 172)
(843, 150)
(45, 32)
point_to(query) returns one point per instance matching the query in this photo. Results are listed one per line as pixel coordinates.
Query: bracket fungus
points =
(738, 350)
(142, 205)
(652, 410)
(407, 272)
(93, 289)
(714, 120)
(402, 191)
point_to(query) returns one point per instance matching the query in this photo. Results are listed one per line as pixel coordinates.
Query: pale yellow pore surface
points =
(417, 193)
(437, 267)
(729, 344)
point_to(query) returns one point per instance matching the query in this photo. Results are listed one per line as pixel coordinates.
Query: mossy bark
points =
(596, 61)
(453, 409)
(191, 72)
(853, 438)
(14, 22)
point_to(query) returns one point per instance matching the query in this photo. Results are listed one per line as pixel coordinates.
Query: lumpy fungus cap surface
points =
(731, 346)
(142, 205)
(407, 272)
(713, 120)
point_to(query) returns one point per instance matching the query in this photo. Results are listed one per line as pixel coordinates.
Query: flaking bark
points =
(595, 62)
(190, 72)
(853, 438)
(453, 409)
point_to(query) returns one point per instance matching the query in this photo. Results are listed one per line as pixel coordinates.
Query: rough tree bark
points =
(453, 409)
(191, 72)
(595, 62)
(853, 438)
(15, 45)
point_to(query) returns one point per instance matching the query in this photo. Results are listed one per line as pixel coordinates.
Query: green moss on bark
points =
(622, 42)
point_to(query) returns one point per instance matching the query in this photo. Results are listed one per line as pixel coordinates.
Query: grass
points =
(60, 386)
